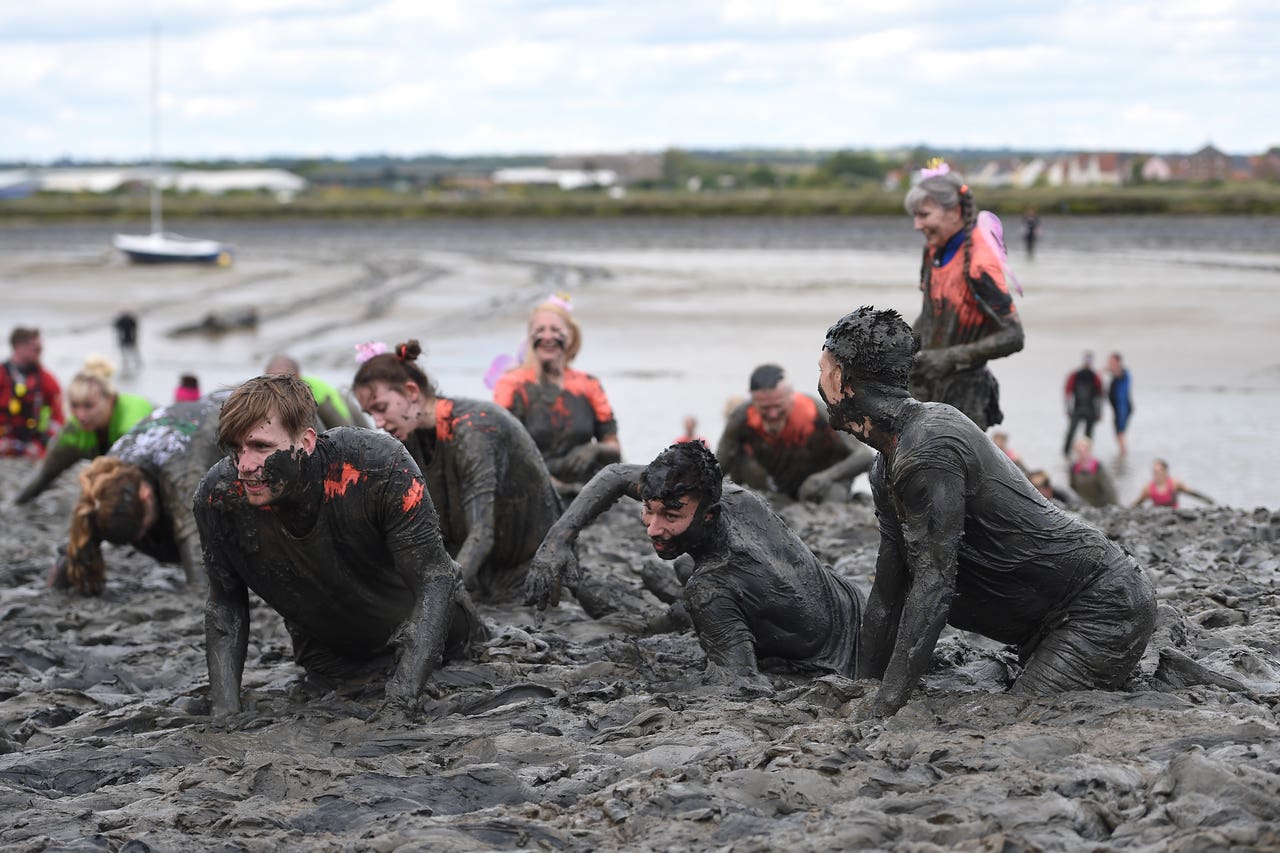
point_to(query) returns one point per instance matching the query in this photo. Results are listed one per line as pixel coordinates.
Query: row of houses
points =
(1113, 169)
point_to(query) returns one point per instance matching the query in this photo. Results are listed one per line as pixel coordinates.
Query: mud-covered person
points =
(966, 540)
(755, 592)
(564, 409)
(780, 441)
(967, 317)
(485, 475)
(336, 532)
(139, 494)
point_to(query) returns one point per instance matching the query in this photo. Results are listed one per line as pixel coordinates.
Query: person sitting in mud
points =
(1163, 490)
(332, 408)
(755, 590)
(100, 415)
(780, 441)
(336, 533)
(966, 540)
(139, 494)
(1089, 477)
(565, 410)
(968, 316)
(484, 473)
(1058, 495)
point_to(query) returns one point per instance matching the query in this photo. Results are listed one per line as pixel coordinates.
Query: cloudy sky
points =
(250, 78)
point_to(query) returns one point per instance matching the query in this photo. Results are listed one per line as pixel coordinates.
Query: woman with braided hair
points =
(968, 316)
(483, 471)
(139, 494)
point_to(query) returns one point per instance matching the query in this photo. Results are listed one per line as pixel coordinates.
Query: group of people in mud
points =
(375, 544)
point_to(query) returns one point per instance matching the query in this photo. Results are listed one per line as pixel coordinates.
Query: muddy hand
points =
(814, 488)
(555, 565)
(577, 463)
(933, 364)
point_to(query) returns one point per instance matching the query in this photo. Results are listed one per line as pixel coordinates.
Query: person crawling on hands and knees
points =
(337, 533)
(966, 540)
(755, 590)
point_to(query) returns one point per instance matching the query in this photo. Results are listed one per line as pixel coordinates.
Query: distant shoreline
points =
(1255, 198)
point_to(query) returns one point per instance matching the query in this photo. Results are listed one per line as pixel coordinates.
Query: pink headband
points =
(368, 350)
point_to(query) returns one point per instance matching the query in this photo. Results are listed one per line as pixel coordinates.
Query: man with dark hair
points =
(965, 538)
(780, 441)
(337, 533)
(30, 398)
(755, 591)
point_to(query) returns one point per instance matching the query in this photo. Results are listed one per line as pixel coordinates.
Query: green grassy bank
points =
(1187, 200)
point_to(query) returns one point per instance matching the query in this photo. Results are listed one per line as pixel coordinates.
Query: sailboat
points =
(162, 246)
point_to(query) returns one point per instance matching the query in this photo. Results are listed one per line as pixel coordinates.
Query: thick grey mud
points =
(567, 733)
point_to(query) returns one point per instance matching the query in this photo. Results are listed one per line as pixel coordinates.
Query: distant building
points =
(629, 168)
(1156, 170)
(565, 179)
(283, 185)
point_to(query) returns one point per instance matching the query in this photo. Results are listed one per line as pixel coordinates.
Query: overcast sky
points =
(250, 78)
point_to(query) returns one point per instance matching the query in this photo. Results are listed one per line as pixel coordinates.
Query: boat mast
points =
(157, 218)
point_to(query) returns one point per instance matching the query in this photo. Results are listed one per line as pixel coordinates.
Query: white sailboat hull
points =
(166, 247)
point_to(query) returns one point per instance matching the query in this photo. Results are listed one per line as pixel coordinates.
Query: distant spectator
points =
(1062, 497)
(1120, 393)
(126, 324)
(1001, 440)
(1083, 396)
(188, 390)
(30, 398)
(1030, 231)
(690, 431)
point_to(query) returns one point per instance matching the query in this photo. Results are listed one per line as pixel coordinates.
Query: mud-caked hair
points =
(111, 509)
(873, 346)
(396, 368)
(282, 396)
(687, 468)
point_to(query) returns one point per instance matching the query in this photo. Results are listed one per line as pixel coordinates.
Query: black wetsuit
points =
(763, 594)
(356, 583)
(490, 487)
(1025, 572)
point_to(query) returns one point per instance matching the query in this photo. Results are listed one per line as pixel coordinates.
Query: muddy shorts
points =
(1096, 640)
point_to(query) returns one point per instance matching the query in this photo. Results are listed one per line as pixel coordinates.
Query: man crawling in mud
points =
(965, 538)
(755, 591)
(337, 533)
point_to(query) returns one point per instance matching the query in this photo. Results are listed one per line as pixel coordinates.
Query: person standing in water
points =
(968, 317)
(1083, 399)
(1120, 394)
(484, 473)
(966, 540)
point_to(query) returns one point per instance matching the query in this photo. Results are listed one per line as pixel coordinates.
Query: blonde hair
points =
(97, 372)
(557, 305)
(110, 508)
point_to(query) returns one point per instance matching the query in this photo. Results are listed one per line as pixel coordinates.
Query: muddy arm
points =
(725, 636)
(934, 502)
(556, 564)
(934, 364)
(226, 631)
(479, 482)
(412, 531)
(858, 461)
(59, 458)
(883, 612)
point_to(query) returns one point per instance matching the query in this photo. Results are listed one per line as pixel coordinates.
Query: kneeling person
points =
(756, 590)
(966, 539)
(337, 533)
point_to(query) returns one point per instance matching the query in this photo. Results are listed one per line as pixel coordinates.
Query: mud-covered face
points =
(91, 407)
(549, 336)
(937, 224)
(774, 405)
(667, 523)
(392, 409)
(269, 462)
